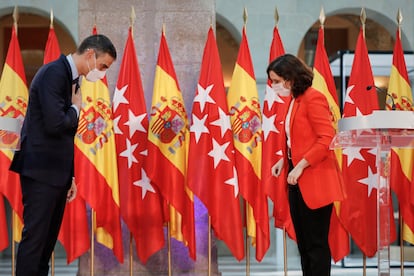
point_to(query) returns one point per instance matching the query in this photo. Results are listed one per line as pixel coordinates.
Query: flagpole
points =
(92, 242)
(209, 246)
(131, 259)
(401, 242)
(284, 251)
(52, 264)
(13, 246)
(169, 248)
(364, 265)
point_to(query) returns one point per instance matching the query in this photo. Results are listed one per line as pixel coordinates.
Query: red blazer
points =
(311, 133)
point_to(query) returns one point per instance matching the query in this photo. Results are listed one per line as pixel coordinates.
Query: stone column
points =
(186, 25)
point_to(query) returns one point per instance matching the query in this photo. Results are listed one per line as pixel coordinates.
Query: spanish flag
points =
(402, 160)
(323, 81)
(168, 137)
(96, 171)
(13, 103)
(246, 123)
(4, 240)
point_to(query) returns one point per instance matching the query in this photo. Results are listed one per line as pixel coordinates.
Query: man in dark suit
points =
(45, 160)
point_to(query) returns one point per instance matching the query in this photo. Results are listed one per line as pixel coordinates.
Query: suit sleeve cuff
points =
(76, 109)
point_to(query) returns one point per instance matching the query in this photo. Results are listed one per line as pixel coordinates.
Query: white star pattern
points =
(115, 121)
(203, 96)
(370, 181)
(234, 182)
(352, 153)
(223, 122)
(145, 184)
(268, 125)
(199, 127)
(119, 97)
(348, 98)
(271, 97)
(129, 153)
(219, 152)
(135, 123)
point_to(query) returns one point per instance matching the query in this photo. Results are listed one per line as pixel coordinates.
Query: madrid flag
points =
(141, 205)
(246, 122)
(274, 110)
(358, 211)
(13, 103)
(168, 138)
(211, 170)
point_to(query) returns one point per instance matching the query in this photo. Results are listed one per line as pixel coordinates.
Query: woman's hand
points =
(277, 168)
(72, 191)
(296, 172)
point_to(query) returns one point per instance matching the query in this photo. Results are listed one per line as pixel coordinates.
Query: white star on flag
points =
(145, 184)
(199, 127)
(203, 96)
(271, 97)
(219, 152)
(223, 122)
(115, 121)
(370, 181)
(352, 153)
(129, 153)
(119, 97)
(233, 182)
(348, 98)
(268, 125)
(135, 123)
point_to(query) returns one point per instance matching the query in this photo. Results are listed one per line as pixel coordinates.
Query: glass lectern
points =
(382, 130)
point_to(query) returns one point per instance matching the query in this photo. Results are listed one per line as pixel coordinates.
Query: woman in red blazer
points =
(314, 180)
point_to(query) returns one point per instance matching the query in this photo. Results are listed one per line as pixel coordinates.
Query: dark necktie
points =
(76, 81)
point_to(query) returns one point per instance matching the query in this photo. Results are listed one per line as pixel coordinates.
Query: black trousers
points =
(312, 230)
(42, 215)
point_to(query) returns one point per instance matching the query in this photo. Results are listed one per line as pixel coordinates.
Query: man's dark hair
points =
(292, 69)
(100, 43)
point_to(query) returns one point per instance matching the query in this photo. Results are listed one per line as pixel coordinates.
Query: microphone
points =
(369, 87)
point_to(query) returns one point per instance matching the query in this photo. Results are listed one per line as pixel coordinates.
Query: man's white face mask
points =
(94, 74)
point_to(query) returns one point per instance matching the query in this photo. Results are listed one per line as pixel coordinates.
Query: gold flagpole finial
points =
(15, 17)
(163, 28)
(276, 16)
(51, 18)
(363, 18)
(212, 20)
(399, 17)
(245, 16)
(399, 21)
(132, 16)
(322, 17)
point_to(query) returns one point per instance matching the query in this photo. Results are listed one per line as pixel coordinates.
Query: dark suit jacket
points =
(47, 136)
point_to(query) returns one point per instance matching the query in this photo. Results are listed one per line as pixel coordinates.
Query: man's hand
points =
(76, 97)
(72, 191)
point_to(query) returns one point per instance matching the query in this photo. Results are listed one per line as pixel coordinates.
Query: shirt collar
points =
(73, 68)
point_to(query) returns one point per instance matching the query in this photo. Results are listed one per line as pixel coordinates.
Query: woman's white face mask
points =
(94, 74)
(280, 89)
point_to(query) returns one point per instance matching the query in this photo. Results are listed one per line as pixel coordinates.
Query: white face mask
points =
(280, 89)
(94, 74)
